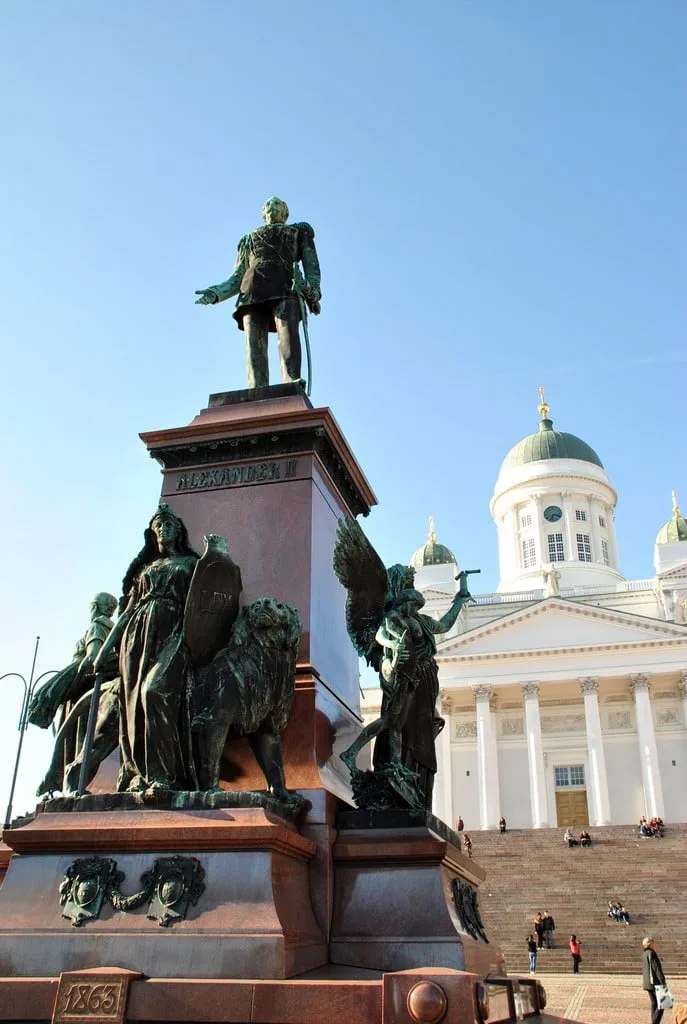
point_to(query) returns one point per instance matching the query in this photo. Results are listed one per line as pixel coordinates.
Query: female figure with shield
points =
(154, 665)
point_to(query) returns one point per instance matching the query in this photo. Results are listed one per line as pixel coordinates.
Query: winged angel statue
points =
(387, 629)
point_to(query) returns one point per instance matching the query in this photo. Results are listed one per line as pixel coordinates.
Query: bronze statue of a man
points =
(272, 290)
(75, 680)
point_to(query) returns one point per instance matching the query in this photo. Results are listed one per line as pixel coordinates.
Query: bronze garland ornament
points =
(169, 888)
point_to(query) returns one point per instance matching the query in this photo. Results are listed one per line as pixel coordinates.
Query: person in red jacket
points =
(575, 950)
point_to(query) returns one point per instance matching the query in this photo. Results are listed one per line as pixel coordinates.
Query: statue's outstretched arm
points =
(462, 597)
(443, 624)
(232, 286)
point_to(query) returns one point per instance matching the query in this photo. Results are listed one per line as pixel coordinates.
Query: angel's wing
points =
(361, 570)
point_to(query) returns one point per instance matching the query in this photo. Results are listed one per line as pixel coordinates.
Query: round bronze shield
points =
(171, 891)
(85, 891)
(212, 605)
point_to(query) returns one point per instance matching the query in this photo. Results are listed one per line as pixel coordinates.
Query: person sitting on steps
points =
(569, 837)
(617, 912)
(585, 838)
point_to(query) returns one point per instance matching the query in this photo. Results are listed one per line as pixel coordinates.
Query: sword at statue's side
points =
(297, 280)
(90, 732)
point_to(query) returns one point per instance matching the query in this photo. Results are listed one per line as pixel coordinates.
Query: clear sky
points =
(498, 193)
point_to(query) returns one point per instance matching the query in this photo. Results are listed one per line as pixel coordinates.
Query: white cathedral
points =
(565, 692)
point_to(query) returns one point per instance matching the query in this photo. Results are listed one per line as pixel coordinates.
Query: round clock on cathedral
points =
(552, 513)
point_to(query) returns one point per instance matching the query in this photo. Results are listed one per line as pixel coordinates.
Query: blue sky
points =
(497, 190)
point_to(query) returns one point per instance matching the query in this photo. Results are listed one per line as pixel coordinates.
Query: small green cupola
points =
(675, 529)
(432, 553)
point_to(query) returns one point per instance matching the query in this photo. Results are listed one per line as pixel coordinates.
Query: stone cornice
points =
(209, 442)
(548, 652)
(678, 571)
(541, 481)
(671, 634)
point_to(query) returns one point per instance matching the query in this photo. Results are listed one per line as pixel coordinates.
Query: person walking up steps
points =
(653, 976)
(532, 950)
(575, 950)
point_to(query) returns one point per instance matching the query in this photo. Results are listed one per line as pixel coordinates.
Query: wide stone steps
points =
(533, 870)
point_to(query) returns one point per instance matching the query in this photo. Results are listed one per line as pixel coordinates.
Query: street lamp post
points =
(29, 690)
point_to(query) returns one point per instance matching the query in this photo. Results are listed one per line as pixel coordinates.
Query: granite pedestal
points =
(327, 916)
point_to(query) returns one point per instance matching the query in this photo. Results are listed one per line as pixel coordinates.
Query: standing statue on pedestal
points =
(195, 671)
(153, 660)
(272, 291)
(388, 630)
(66, 690)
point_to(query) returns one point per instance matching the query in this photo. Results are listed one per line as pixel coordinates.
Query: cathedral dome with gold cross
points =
(432, 553)
(675, 530)
(547, 443)
(554, 506)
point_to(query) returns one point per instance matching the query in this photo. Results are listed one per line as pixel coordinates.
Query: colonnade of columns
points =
(597, 780)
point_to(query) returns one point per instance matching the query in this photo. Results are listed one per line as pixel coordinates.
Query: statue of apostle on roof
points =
(274, 294)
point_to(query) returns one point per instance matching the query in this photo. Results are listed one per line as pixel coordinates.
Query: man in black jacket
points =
(549, 926)
(652, 974)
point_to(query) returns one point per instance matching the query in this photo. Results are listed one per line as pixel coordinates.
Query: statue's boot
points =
(349, 758)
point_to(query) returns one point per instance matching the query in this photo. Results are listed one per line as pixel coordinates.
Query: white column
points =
(509, 541)
(487, 760)
(542, 551)
(442, 800)
(648, 754)
(535, 756)
(595, 532)
(568, 517)
(598, 782)
(682, 690)
(612, 541)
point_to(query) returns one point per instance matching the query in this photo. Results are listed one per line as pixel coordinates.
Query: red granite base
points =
(253, 920)
(394, 906)
(391, 998)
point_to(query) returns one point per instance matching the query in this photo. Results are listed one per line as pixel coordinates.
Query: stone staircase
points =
(533, 870)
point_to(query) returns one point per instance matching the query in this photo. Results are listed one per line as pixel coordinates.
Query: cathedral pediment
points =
(436, 594)
(677, 574)
(556, 623)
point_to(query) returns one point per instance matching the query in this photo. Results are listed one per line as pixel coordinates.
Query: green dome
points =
(548, 443)
(432, 553)
(674, 530)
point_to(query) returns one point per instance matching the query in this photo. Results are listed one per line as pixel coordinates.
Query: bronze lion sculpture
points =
(248, 690)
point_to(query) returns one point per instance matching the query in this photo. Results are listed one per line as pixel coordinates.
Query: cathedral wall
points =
(465, 788)
(624, 779)
(672, 747)
(514, 784)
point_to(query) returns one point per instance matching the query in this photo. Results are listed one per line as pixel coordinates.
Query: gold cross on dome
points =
(543, 407)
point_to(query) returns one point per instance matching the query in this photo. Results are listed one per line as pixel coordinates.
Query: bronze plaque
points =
(92, 997)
